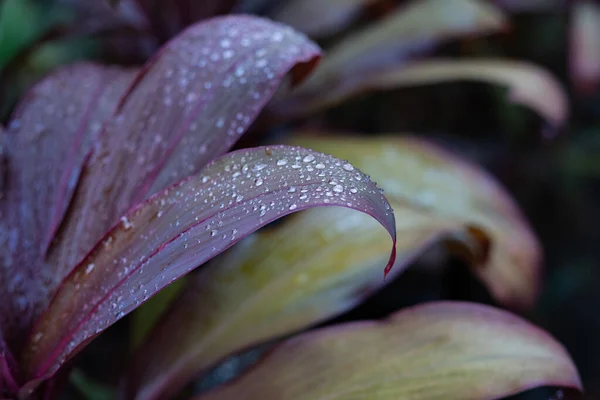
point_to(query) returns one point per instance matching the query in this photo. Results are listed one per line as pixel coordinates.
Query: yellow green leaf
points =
(439, 194)
(528, 85)
(436, 351)
(323, 262)
(419, 25)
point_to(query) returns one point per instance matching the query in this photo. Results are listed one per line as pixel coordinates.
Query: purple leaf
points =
(7, 366)
(189, 104)
(168, 17)
(185, 226)
(46, 145)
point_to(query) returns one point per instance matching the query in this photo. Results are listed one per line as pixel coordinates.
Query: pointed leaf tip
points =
(185, 226)
(190, 103)
(436, 193)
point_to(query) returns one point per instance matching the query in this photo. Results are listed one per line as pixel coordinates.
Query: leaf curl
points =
(185, 226)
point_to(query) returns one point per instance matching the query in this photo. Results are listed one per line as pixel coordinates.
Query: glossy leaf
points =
(47, 142)
(317, 18)
(528, 85)
(390, 41)
(585, 46)
(436, 193)
(189, 104)
(320, 264)
(185, 226)
(434, 351)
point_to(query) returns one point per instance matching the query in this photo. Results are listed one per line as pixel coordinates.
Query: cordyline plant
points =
(114, 186)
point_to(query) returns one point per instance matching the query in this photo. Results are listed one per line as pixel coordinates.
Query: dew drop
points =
(320, 166)
(281, 162)
(348, 167)
(126, 223)
(89, 268)
(309, 158)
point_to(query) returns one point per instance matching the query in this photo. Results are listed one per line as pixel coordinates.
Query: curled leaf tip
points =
(186, 225)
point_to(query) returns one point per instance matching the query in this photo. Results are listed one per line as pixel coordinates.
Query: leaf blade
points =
(170, 235)
(45, 149)
(584, 57)
(528, 84)
(229, 305)
(391, 41)
(434, 351)
(328, 257)
(443, 194)
(180, 112)
(318, 19)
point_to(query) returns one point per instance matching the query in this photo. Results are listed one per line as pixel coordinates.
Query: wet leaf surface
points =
(46, 145)
(185, 226)
(188, 105)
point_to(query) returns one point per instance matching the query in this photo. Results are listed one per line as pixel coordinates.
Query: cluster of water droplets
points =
(48, 139)
(203, 216)
(205, 89)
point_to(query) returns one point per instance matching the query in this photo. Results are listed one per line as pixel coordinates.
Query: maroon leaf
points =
(7, 366)
(102, 15)
(190, 103)
(168, 17)
(46, 144)
(185, 226)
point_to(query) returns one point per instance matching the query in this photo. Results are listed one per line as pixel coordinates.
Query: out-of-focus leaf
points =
(89, 389)
(321, 262)
(19, 25)
(390, 41)
(320, 265)
(528, 85)
(585, 46)
(189, 104)
(93, 16)
(7, 366)
(434, 351)
(532, 5)
(434, 192)
(169, 17)
(3, 164)
(145, 317)
(317, 18)
(47, 141)
(183, 227)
